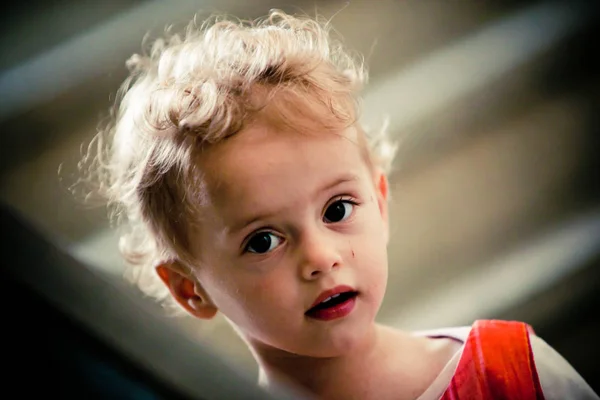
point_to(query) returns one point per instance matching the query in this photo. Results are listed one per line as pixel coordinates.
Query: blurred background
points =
(495, 193)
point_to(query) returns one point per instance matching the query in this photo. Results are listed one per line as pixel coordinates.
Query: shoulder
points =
(559, 380)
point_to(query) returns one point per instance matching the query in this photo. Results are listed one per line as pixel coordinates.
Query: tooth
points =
(327, 299)
(335, 295)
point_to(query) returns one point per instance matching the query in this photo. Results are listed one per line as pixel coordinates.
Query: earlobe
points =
(200, 308)
(186, 291)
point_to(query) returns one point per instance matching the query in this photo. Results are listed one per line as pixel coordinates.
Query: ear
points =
(382, 191)
(187, 291)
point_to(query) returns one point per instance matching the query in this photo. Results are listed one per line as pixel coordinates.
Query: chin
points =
(330, 344)
(341, 340)
(328, 340)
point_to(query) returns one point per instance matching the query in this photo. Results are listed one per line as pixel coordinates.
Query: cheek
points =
(371, 257)
(245, 296)
(274, 290)
(373, 275)
(375, 226)
(371, 250)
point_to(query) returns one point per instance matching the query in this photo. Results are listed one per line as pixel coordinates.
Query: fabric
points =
(558, 379)
(496, 363)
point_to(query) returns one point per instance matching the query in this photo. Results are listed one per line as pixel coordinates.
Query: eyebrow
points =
(238, 226)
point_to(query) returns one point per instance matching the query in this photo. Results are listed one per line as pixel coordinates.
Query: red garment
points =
(497, 363)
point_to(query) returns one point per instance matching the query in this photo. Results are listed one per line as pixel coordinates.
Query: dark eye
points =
(263, 242)
(338, 211)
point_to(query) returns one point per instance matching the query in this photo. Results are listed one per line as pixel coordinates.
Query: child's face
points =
(288, 217)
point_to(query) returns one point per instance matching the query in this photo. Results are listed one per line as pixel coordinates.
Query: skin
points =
(291, 215)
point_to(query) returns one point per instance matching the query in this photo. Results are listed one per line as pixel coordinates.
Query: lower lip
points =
(335, 312)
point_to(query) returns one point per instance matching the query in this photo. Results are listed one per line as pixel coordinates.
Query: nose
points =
(319, 254)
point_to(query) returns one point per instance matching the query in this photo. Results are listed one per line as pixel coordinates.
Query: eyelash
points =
(342, 198)
(247, 242)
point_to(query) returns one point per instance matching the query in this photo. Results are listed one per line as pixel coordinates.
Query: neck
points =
(326, 375)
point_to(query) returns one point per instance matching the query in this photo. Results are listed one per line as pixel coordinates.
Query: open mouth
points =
(335, 306)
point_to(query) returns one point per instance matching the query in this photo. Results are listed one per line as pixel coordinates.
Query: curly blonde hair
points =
(197, 88)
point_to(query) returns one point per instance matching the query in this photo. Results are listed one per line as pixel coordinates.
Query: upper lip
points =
(331, 292)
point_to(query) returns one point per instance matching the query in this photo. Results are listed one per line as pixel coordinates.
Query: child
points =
(249, 188)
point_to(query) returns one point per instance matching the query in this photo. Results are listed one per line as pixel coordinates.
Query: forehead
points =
(265, 165)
